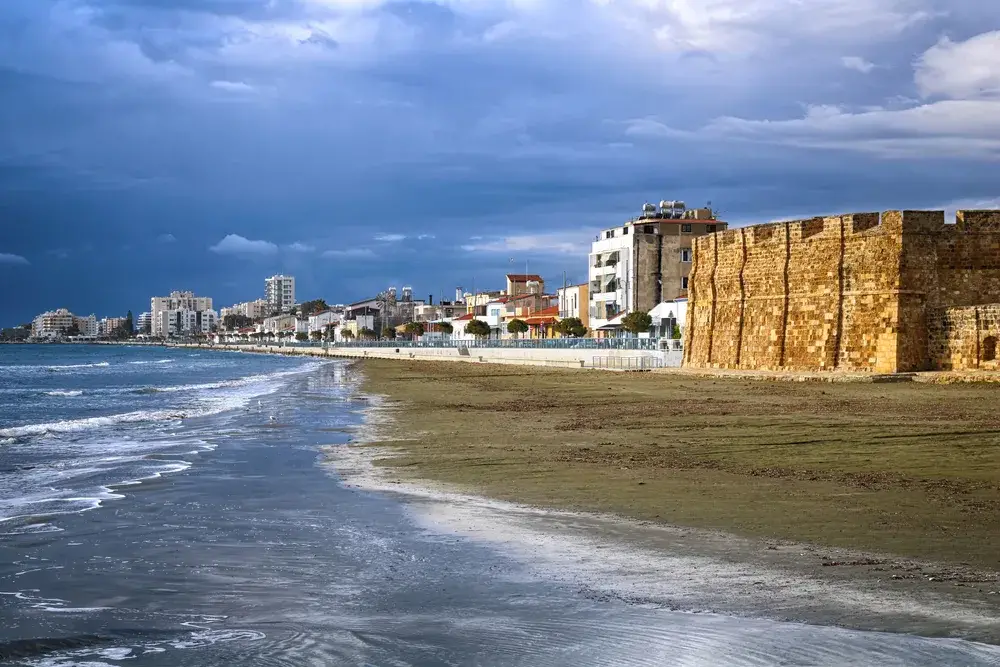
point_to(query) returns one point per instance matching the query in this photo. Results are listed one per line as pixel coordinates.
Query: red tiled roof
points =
(464, 318)
(523, 277)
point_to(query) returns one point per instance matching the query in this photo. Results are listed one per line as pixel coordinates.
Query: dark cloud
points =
(290, 134)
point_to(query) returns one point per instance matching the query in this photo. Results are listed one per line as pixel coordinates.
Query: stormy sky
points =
(151, 145)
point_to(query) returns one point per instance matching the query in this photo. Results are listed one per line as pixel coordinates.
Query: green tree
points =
(675, 332)
(329, 329)
(316, 335)
(478, 328)
(637, 322)
(415, 329)
(312, 307)
(236, 321)
(571, 326)
(517, 327)
(388, 332)
(72, 330)
(129, 324)
(301, 336)
(446, 328)
(366, 334)
(347, 334)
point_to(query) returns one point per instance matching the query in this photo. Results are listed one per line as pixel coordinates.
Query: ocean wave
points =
(101, 364)
(145, 363)
(73, 425)
(68, 392)
(246, 388)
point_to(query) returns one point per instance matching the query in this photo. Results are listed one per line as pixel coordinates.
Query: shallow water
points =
(239, 547)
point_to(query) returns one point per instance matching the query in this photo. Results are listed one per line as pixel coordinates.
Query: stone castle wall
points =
(855, 292)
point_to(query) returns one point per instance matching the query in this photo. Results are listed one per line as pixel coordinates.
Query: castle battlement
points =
(846, 292)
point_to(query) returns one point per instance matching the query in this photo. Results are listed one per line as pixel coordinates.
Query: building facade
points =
(320, 321)
(109, 325)
(255, 310)
(60, 322)
(181, 322)
(574, 301)
(144, 324)
(167, 318)
(524, 283)
(645, 261)
(279, 292)
(892, 292)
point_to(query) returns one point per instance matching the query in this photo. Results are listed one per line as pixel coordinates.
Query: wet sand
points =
(434, 435)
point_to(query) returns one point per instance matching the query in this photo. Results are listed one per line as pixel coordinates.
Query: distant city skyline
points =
(147, 147)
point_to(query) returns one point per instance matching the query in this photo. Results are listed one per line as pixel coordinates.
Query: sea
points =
(173, 507)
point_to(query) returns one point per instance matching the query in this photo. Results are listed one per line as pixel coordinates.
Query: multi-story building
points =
(107, 326)
(183, 322)
(475, 303)
(168, 316)
(524, 283)
(645, 261)
(323, 319)
(53, 323)
(60, 322)
(434, 312)
(279, 292)
(145, 323)
(574, 302)
(255, 310)
(279, 323)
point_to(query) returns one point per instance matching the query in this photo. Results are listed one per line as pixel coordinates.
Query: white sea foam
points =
(102, 364)
(247, 388)
(146, 363)
(64, 392)
(72, 425)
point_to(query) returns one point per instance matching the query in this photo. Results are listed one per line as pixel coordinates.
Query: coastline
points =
(684, 568)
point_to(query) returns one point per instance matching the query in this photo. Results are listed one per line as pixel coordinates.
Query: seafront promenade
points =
(636, 354)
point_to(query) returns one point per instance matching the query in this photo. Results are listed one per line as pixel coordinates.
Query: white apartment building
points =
(165, 317)
(88, 325)
(574, 301)
(320, 321)
(279, 292)
(183, 322)
(255, 310)
(145, 322)
(55, 323)
(644, 261)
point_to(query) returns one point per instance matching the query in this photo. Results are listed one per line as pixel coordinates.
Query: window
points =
(609, 234)
(624, 230)
(685, 254)
(648, 229)
(686, 228)
(710, 229)
(684, 283)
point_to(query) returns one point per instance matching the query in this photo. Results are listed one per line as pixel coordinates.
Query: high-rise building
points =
(279, 291)
(169, 314)
(645, 261)
(145, 323)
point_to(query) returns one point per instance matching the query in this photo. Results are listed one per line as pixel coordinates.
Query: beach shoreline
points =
(684, 568)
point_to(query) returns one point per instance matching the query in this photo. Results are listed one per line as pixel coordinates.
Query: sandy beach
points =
(493, 454)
